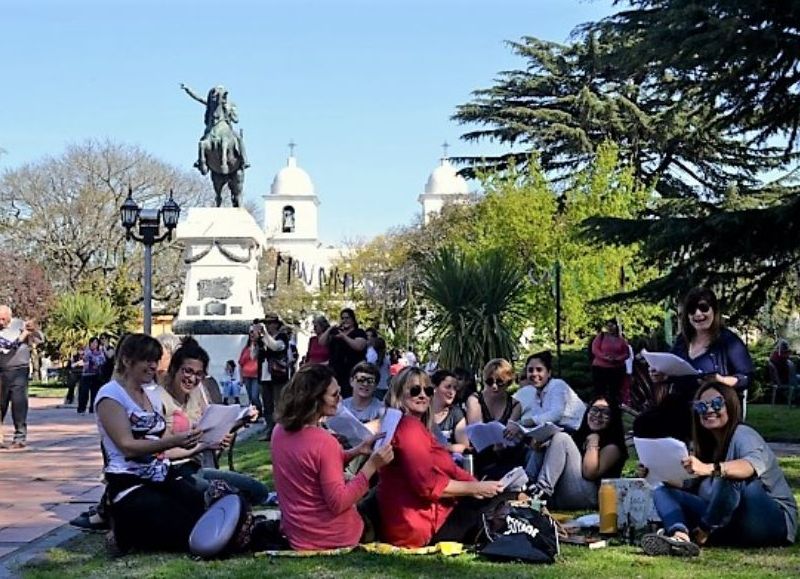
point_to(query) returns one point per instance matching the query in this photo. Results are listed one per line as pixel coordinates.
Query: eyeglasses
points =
(415, 391)
(189, 373)
(599, 412)
(496, 382)
(704, 307)
(716, 404)
(369, 380)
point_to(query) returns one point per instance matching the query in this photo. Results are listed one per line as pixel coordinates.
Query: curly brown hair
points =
(302, 399)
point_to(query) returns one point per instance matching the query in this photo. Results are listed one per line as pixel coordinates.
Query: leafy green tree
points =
(477, 306)
(75, 318)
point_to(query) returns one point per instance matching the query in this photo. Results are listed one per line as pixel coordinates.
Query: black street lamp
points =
(149, 234)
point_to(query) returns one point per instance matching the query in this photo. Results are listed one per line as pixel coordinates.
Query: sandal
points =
(658, 544)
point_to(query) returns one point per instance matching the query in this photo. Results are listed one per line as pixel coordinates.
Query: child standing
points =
(231, 385)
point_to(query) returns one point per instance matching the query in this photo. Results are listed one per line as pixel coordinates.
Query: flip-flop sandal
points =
(658, 544)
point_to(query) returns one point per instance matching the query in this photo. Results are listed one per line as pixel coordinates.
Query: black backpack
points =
(519, 533)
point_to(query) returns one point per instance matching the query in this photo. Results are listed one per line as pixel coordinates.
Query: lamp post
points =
(149, 234)
(555, 292)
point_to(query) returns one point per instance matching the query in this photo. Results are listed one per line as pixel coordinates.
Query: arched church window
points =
(288, 219)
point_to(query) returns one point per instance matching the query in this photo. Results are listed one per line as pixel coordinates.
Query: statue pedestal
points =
(221, 297)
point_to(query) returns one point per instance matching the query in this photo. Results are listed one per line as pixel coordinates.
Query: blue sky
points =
(365, 88)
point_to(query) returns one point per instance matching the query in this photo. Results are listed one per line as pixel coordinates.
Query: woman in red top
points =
(318, 508)
(609, 352)
(317, 353)
(423, 496)
(248, 368)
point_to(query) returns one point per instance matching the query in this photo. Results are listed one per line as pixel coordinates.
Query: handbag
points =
(278, 368)
(516, 532)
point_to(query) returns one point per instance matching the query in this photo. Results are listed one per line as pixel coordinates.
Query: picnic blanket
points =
(447, 548)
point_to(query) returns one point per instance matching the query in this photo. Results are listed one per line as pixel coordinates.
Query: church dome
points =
(445, 181)
(292, 180)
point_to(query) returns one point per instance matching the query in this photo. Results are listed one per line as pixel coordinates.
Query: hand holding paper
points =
(663, 458)
(669, 364)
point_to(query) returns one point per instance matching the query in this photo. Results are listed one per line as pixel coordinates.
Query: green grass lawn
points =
(84, 557)
(778, 423)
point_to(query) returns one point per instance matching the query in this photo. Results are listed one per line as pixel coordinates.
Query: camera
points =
(334, 331)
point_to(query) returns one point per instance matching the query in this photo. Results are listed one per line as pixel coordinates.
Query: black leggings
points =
(465, 522)
(156, 516)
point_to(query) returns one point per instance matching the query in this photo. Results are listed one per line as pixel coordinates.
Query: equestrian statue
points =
(221, 149)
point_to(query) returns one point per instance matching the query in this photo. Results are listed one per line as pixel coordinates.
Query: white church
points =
(291, 211)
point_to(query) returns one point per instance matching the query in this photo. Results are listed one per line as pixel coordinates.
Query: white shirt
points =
(556, 403)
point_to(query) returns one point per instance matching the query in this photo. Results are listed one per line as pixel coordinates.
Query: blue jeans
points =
(734, 512)
(253, 389)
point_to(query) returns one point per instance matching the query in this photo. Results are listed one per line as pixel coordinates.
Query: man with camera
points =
(16, 339)
(273, 365)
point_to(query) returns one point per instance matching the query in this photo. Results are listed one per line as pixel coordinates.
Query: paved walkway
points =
(51, 481)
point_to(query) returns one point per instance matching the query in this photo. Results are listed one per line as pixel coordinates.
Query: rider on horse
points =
(220, 116)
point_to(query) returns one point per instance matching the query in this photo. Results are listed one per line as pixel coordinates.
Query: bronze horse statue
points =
(221, 150)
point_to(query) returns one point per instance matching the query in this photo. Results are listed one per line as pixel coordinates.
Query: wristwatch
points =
(717, 470)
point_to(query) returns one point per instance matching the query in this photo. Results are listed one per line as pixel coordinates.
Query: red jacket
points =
(411, 486)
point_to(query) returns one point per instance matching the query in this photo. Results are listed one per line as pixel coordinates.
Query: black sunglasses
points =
(492, 382)
(599, 411)
(364, 380)
(716, 404)
(704, 307)
(415, 391)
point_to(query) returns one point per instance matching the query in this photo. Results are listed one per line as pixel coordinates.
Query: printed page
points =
(217, 421)
(389, 421)
(669, 364)
(662, 457)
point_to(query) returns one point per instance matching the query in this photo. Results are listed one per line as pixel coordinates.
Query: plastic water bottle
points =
(468, 464)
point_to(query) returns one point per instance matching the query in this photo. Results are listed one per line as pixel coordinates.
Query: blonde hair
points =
(499, 366)
(397, 388)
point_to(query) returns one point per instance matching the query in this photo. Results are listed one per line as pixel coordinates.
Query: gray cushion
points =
(214, 530)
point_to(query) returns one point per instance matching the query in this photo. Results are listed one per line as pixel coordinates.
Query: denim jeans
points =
(253, 389)
(253, 490)
(735, 512)
(14, 391)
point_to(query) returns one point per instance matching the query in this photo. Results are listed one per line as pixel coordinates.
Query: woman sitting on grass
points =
(318, 508)
(740, 497)
(185, 400)
(151, 508)
(423, 496)
(566, 471)
(447, 414)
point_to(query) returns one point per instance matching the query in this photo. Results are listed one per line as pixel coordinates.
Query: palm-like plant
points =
(478, 305)
(76, 318)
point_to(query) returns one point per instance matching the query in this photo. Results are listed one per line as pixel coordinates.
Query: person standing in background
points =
(93, 361)
(609, 352)
(16, 339)
(348, 345)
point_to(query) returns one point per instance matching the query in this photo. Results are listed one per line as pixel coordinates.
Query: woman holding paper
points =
(717, 354)
(185, 400)
(567, 471)
(739, 496)
(495, 404)
(423, 496)
(318, 507)
(150, 507)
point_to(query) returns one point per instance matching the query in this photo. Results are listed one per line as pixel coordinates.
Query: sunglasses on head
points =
(702, 407)
(704, 307)
(364, 380)
(599, 411)
(496, 382)
(415, 391)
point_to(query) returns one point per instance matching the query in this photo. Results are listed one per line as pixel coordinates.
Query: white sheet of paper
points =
(217, 421)
(669, 364)
(389, 421)
(346, 424)
(539, 433)
(662, 457)
(515, 479)
(483, 435)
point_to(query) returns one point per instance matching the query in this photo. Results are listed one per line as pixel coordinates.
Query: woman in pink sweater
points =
(609, 352)
(318, 508)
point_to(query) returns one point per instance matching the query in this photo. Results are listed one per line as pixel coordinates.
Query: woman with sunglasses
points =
(151, 508)
(450, 420)
(423, 497)
(495, 404)
(567, 471)
(739, 496)
(715, 351)
(318, 507)
(548, 399)
(185, 400)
